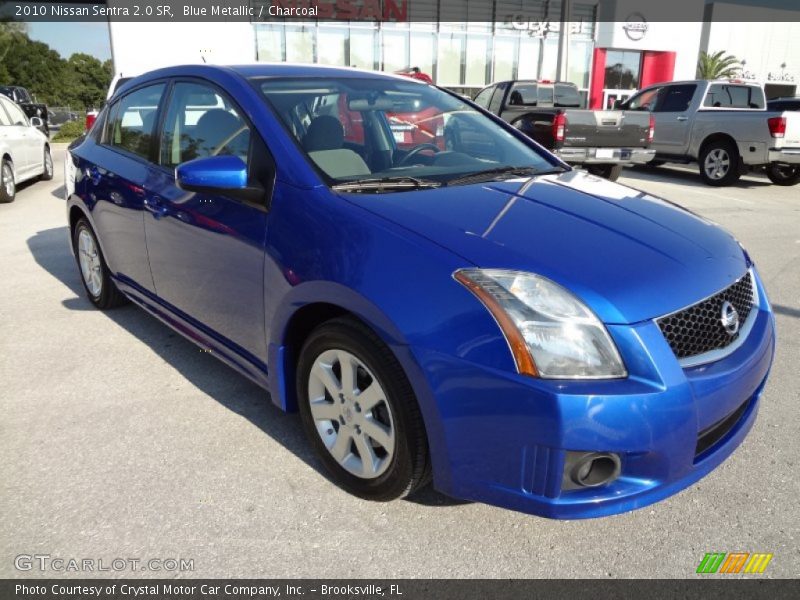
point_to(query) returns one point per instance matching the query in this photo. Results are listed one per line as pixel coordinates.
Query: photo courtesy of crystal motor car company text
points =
(438, 295)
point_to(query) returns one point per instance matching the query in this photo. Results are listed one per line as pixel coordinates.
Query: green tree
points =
(717, 66)
(88, 78)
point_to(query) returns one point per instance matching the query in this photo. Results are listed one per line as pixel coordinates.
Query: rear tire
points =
(47, 173)
(95, 274)
(8, 185)
(783, 174)
(369, 435)
(610, 172)
(719, 163)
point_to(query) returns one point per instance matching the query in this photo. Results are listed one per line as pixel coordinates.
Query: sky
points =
(68, 38)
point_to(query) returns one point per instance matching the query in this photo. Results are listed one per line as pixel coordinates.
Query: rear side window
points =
(133, 120)
(566, 96)
(524, 94)
(200, 122)
(676, 98)
(722, 95)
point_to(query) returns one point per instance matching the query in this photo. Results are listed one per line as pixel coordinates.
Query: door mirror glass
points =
(36, 122)
(225, 175)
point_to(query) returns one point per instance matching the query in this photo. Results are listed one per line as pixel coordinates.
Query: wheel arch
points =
(716, 137)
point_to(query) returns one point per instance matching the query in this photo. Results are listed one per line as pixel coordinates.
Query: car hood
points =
(629, 255)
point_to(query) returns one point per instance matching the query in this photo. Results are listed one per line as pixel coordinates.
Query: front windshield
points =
(384, 130)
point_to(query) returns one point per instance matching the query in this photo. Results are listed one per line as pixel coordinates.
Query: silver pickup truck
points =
(724, 126)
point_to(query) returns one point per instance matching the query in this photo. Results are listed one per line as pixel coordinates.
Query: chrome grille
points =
(698, 329)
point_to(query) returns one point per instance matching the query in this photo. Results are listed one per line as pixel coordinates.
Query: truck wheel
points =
(719, 163)
(784, 174)
(610, 172)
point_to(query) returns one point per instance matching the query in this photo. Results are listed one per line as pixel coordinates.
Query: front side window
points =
(644, 101)
(483, 97)
(411, 131)
(676, 98)
(133, 121)
(15, 114)
(200, 122)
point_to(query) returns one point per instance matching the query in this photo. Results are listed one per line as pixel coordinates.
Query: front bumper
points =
(784, 155)
(606, 156)
(506, 436)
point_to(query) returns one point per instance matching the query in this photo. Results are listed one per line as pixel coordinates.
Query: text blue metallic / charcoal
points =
(234, 278)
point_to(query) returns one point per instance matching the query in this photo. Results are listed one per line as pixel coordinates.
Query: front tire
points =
(360, 413)
(47, 171)
(610, 172)
(8, 185)
(783, 174)
(719, 164)
(95, 274)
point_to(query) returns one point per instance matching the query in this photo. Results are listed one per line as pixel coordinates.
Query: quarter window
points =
(133, 121)
(200, 122)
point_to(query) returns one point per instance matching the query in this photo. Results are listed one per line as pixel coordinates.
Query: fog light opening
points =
(595, 469)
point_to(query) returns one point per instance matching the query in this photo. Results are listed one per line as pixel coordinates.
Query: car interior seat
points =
(324, 142)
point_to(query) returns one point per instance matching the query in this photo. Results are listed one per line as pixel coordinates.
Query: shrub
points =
(69, 131)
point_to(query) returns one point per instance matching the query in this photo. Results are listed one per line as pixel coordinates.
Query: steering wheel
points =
(416, 150)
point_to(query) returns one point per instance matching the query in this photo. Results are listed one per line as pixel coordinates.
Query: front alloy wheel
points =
(8, 187)
(360, 413)
(47, 168)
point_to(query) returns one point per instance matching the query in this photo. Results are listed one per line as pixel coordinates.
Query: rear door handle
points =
(683, 118)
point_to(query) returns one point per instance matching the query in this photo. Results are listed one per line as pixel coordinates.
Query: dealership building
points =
(609, 51)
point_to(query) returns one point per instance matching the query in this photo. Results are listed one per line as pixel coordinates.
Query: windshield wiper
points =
(506, 172)
(386, 184)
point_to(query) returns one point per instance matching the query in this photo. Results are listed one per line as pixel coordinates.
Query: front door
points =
(672, 118)
(207, 250)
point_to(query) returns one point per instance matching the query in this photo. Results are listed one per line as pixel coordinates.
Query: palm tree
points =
(717, 66)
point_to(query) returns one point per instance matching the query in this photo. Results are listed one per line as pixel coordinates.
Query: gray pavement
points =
(119, 438)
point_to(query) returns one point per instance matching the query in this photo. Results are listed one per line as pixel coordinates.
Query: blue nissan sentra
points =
(436, 295)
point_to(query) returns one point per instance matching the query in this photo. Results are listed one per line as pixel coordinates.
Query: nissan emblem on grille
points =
(729, 318)
(710, 324)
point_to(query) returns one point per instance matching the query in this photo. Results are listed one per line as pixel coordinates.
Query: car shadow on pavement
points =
(50, 250)
(678, 175)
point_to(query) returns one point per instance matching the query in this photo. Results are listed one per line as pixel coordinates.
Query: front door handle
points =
(154, 205)
(683, 118)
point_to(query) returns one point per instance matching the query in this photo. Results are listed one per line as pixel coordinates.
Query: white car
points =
(25, 150)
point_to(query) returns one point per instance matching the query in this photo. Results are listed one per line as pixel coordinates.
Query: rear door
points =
(116, 173)
(673, 122)
(206, 249)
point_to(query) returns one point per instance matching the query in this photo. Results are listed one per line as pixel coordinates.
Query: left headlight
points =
(551, 333)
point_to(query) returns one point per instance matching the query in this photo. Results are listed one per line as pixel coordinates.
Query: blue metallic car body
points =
(494, 435)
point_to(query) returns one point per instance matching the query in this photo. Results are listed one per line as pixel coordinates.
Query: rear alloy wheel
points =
(360, 413)
(8, 186)
(719, 164)
(47, 171)
(783, 174)
(94, 271)
(610, 172)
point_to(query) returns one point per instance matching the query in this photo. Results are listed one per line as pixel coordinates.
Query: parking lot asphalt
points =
(121, 439)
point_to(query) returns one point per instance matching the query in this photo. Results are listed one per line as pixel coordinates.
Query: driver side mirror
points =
(36, 122)
(225, 175)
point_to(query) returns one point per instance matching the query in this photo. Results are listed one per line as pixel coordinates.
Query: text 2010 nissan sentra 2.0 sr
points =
(468, 309)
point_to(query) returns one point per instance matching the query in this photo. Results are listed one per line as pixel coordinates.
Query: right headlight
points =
(551, 333)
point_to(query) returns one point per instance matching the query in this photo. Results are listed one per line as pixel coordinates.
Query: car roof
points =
(256, 70)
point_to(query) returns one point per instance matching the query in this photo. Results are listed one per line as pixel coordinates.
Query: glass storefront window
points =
(422, 51)
(477, 59)
(580, 57)
(505, 57)
(622, 69)
(395, 50)
(300, 44)
(549, 59)
(362, 48)
(332, 45)
(529, 48)
(269, 43)
(450, 55)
